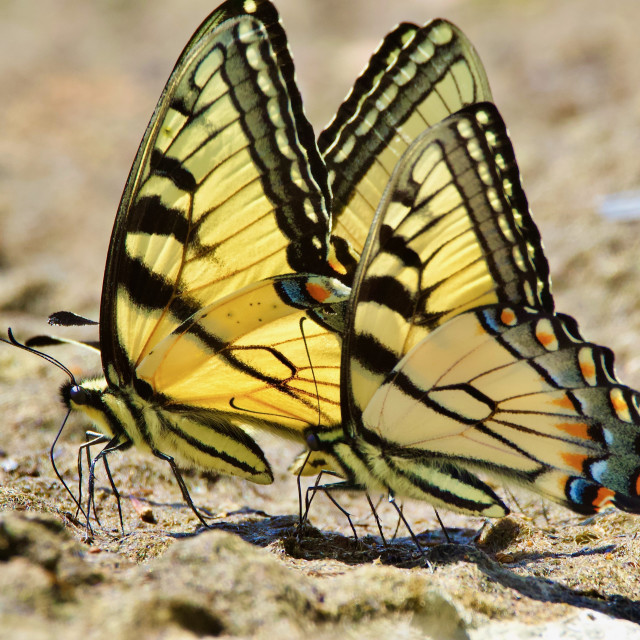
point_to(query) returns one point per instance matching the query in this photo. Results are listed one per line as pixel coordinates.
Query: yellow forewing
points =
(417, 77)
(227, 188)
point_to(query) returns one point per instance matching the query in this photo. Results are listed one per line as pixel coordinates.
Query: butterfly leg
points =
(392, 500)
(114, 444)
(313, 490)
(96, 438)
(444, 529)
(116, 493)
(377, 519)
(395, 532)
(92, 490)
(182, 485)
(307, 500)
(346, 514)
(302, 518)
(343, 486)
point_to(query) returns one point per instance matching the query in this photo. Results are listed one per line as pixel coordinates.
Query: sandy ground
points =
(79, 81)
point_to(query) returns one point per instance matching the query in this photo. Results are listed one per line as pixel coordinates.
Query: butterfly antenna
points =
(315, 487)
(313, 373)
(299, 479)
(233, 405)
(45, 356)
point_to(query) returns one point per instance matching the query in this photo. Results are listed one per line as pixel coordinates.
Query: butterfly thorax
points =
(334, 451)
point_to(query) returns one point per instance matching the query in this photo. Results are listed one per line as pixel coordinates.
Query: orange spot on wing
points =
(317, 292)
(337, 266)
(638, 486)
(588, 370)
(603, 497)
(574, 460)
(545, 338)
(562, 482)
(578, 429)
(563, 402)
(619, 404)
(507, 316)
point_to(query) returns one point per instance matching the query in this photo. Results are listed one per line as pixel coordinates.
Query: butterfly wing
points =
(227, 187)
(417, 77)
(521, 395)
(453, 233)
(453, 351)
(218, 297)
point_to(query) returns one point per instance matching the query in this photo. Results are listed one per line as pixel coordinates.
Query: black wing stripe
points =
(387, 291)
(154, 218)
(417, 77)
(174, 170)
(426, 77)
(372, 354)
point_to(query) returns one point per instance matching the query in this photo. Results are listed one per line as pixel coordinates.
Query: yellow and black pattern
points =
(454, 361)
(250, 350)
(453, 233)
(242, 362)
(521, 395)
(227, 187)
(417, 77)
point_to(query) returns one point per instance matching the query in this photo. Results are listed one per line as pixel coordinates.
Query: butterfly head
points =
(91, 398)
(324, 446)
(79, 396)
(74, 395)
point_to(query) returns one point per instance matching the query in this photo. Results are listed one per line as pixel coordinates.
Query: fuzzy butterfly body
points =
(454, 361)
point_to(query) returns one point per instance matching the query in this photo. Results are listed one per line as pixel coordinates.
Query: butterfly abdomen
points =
(374, 465)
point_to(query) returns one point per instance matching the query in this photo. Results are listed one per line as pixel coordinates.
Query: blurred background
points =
(80, 80)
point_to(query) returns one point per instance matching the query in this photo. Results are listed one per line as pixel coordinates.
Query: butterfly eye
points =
(78, 395)
(313, 442)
